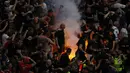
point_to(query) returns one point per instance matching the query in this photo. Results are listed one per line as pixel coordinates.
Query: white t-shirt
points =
(123, 33)
(116, 32)
(4, 38)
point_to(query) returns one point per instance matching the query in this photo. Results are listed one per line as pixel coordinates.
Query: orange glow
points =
(74, 49)
(86, 43)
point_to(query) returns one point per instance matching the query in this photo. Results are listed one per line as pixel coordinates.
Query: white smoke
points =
(70, 16)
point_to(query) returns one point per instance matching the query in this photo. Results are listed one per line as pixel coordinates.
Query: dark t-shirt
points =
(87, 34)
(64, 60)
(60, 35)
(81, 41)
(52, 21)
(110, 40)
(89, 17)
(124, 44)
(79, 53)
(127, 14)
(11, 49)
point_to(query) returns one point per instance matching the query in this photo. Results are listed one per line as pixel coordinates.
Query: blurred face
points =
(105, 41)
(62, 26)
(50, 13)
(110, 33)
(89, 10)
(36, 19)
(100, 28)
(86, 27)
(7, 3)
(10, 65)
(106, 9)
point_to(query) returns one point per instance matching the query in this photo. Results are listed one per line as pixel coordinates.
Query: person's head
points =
(106, 9)
(7, 3)
(36, 19)
(62, 26)
(46, 18)
(48, 63)
(50, 12)
(105, 42)
(89, 10)
(68, 51)
(116, 23)
(111, 32)
(61, 6)
(100, 28)
(86, 27)
(55, 56)
(26, 60)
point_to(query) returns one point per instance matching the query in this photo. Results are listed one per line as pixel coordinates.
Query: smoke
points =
(69, 15)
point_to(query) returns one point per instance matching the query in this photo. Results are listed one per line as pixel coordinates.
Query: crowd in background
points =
(30, 44)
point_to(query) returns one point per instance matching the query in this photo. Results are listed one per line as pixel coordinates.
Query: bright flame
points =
(73, 47)
(72, 55)
(86, 43)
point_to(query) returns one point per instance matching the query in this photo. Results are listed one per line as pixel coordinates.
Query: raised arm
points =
(2, 30)
(33, 62)
(50, 41)
(14, 6)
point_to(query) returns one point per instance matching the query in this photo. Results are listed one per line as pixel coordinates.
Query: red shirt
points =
(24, 68)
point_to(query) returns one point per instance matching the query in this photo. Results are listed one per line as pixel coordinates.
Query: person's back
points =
(123, 33)
(124, 44)
(45, 42)
(64, 60)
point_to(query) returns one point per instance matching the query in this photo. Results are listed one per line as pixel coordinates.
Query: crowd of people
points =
(30, 44)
